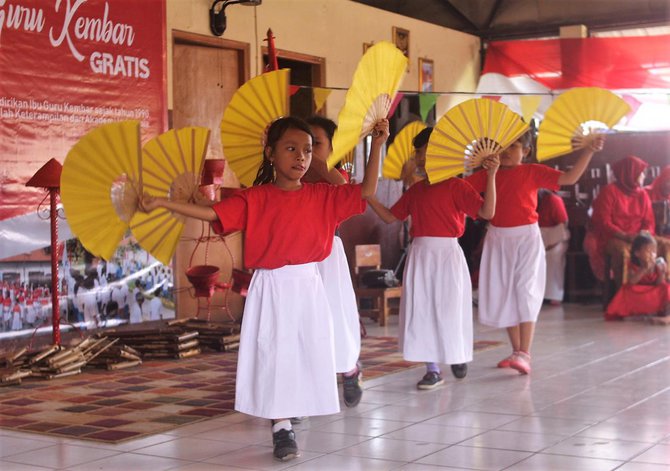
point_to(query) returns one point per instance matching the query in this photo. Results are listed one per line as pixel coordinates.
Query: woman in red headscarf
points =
(659, 194)
(620, 211)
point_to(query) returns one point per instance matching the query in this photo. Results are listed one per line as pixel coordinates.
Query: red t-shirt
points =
(551, 211)
(288, 227)
(438, 210)
(516, 192)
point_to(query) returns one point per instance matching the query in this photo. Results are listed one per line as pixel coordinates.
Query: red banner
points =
(611, 63)
(67, 66)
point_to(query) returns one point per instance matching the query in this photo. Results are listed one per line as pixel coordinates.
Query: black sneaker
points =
(460, 370)
(430, 381)
(352, 388)
(285, 446)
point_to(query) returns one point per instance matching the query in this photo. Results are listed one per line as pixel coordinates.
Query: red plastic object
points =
(212, 172)
(203, 278)
(241, 281)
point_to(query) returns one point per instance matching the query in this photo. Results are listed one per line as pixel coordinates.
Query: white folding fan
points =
(469, 132)
(576, 118)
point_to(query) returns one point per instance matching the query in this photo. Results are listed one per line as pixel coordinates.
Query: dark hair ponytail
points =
(275, 132)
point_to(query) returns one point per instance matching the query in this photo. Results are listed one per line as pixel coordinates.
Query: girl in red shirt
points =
(286, 363)
(513, 268)
(336, 277)
(647, 290)
(436, 301)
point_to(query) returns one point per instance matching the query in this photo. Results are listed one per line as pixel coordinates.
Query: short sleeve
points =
(231, 213)
(478, 181)
(545, 177)
(348, 201)
(467, 199)
(400, 209)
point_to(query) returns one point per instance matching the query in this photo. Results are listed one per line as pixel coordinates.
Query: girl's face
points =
(513, 155)
(420, 156)
(291, 155)
(322, 147)
(646, 253)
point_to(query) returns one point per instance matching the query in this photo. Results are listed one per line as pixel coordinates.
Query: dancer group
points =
(300, 324)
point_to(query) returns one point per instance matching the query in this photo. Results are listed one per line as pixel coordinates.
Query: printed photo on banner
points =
(425, 75)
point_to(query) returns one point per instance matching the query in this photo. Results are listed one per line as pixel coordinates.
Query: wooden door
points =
(206, 73)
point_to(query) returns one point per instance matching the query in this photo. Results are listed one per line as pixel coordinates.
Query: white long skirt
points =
(336, 278)
(558, 237)
(436, 303)
(512, 276)
(286, 364)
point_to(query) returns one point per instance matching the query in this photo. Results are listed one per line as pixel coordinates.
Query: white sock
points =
(282, 424)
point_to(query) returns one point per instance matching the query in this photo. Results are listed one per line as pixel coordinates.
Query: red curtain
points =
(611, 63)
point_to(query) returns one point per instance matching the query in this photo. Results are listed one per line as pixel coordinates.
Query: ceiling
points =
(495, 20)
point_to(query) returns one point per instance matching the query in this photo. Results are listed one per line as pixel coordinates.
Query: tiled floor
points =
(598, 399)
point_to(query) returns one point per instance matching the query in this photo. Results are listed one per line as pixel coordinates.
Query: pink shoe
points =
(521, 363)
(505, 362)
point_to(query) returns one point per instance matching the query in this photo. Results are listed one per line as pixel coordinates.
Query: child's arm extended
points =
(148, 203)
(491, 165)
(382, 211)
(571, 176)
(379, 137)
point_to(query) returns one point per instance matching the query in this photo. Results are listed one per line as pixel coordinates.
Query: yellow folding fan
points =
(369, 99)
(576, 118)
(469, 132)
(401, 150)
(100, 185)
(171, 166)
(253, 107)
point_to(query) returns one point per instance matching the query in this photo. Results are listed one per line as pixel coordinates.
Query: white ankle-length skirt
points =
(342, 300)
(286, 364)
(512, 276)
(436, 303)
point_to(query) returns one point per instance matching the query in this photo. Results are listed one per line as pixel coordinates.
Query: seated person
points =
(553, 222)
(647, 291)
(620, 211)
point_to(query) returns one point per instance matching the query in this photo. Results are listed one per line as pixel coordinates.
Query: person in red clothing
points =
(336, 277)
(553, 222)
(620, 211)
(436, 300)
(647, 290)
(512, 271)
(659, 194)
(286, 363)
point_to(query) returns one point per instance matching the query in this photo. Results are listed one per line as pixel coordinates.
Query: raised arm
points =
(382, 211)
(571, 176)
(488, 209)
(205, 213)
(379, 137)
